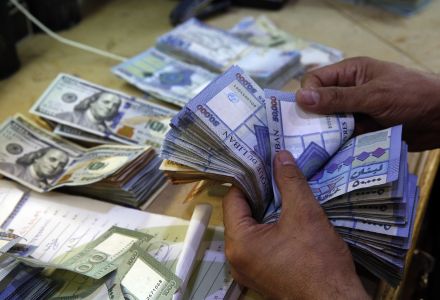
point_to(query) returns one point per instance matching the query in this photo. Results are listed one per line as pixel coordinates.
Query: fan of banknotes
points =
(231, 131)
(43, 161)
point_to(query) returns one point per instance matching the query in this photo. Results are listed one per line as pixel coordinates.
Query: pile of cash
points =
(19, 281)
(272, 57)
(261, 31)
(89, 112)
(232, 130)
(44, 161)
(118, 260)
(216, 50)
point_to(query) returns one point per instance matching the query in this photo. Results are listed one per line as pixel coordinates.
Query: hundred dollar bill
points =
(99, 257)
(103, 112)
(79, 135)
(42, 161)
(215, 133)
(261, 31)
(217, 50)
(164, 77)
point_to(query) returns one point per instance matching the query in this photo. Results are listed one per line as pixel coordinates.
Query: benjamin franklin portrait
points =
(94, 111)
(38, 167)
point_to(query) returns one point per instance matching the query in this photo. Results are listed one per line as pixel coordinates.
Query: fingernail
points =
(308, 97)
(285, 158)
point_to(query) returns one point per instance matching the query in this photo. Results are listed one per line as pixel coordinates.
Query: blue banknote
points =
(215, 133)
(164, 77)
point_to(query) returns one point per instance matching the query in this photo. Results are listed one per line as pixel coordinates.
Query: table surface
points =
(127, 27)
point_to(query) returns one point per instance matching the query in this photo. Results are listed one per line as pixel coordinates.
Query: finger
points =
(237, 214)
(291, 183)
(349, 72)
(327, 100)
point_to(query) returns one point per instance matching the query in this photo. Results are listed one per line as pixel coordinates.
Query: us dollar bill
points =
(103, 112)
(79, 135)
(43, 161)
(164, 77)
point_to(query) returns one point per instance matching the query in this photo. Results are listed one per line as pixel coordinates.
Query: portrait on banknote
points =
(37, 167)
(94, 111)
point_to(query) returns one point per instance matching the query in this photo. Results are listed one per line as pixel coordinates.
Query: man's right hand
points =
(381, 95)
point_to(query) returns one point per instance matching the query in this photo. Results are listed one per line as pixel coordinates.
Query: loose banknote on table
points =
(232, 130)
(103, 112)
(43, 161)
(80, 248)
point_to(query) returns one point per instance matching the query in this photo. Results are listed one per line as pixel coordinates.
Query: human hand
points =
(381, 95)
(299, 257)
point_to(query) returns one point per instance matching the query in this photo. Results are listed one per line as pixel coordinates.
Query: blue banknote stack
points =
(190, 56)
(231, 131)
(18, 281)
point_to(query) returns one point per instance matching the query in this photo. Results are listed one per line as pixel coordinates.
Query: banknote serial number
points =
(245, 83)
(154, 290)
(209, 116)
(274, 108)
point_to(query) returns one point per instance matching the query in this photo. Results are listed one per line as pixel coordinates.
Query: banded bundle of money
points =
(232, 130)
(90, 112)
(261, 31)
(43, 161)
(117, 260)
(164, 77)
(19, 281)
(216, 50)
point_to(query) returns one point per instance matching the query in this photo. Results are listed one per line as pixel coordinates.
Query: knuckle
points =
(236, 254)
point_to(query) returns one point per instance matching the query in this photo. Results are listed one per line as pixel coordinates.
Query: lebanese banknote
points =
(43, 161)
(141, 276)
(312, 139)
(261, 31)
(217, 50)
(164, 77)
(99, 257)
(215, 133)
(103, 112)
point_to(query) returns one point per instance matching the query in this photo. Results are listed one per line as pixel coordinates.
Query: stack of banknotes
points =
(266, 52)
(232, 130)
(17, 280)
(118, 259)
(217, 49)
(261, 31)
(91, 113)
(42, 161)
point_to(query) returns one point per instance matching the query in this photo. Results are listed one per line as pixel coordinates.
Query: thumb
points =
(297, 197)
(327, 100)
